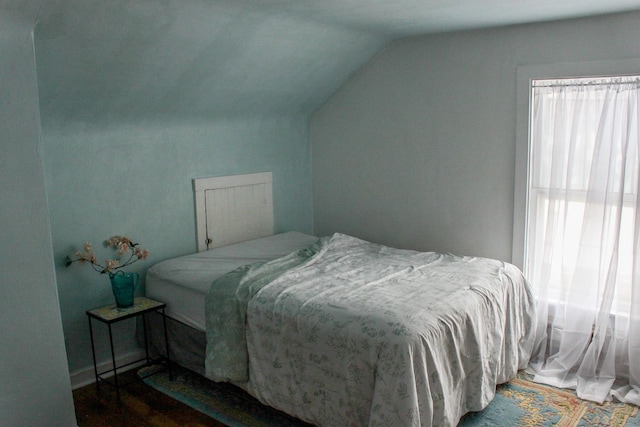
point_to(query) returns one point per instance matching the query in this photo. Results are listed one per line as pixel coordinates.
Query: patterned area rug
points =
(521, 402)
(518, 403)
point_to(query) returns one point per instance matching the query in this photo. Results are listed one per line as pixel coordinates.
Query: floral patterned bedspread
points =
(358, 334)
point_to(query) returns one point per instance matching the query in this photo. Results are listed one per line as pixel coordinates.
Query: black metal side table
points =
(111, 314)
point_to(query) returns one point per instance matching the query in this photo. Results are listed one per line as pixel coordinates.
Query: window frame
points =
(525, 75)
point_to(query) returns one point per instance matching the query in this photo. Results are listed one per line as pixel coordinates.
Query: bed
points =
(338, 331)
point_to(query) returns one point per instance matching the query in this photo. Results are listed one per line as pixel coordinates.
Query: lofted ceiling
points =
(113, 60)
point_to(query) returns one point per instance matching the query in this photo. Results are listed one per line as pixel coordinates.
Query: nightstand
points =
(110, 314)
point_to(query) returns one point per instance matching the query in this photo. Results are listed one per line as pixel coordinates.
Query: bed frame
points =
(232, 209)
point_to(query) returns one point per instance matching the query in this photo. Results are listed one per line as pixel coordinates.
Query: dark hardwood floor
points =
(140, 405)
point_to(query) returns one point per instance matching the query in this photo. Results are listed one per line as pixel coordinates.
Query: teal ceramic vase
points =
(123, 285)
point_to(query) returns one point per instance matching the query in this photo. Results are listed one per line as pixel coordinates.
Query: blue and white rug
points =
(519, 402)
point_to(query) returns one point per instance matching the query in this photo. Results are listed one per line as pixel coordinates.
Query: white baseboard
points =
(87, 376)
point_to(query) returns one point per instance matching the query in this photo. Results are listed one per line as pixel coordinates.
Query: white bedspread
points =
(363, 334)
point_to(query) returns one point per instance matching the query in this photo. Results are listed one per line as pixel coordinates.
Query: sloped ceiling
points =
(195, 59)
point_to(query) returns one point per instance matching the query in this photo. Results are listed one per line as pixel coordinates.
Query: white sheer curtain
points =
(583, 235)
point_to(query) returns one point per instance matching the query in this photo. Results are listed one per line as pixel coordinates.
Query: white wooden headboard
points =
(232, 209)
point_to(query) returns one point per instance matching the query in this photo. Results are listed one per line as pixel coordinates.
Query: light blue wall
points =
(136, 180)
(139, 97)
(34, 378)
(418, 150)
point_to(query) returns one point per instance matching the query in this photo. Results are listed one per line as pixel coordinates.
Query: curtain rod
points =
(602, 81)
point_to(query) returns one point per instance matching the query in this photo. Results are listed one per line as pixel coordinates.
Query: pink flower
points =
(86, 254)
(123, 248)
(112, 264)
(141, 253)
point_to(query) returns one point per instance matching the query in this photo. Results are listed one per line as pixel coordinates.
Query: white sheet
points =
(183, 282)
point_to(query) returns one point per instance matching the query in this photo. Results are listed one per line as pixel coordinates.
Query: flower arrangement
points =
(121, 244)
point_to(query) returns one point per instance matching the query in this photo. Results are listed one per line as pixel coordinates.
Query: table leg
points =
(146, 341)
(166, 343)
(93, 353)
(113, 358)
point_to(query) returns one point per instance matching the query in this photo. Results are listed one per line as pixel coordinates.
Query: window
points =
(569, 117)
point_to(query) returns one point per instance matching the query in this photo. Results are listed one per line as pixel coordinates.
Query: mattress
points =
(184, 282)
